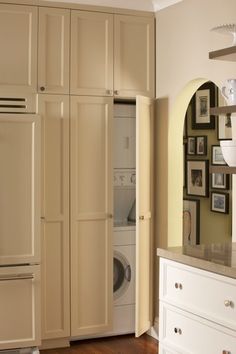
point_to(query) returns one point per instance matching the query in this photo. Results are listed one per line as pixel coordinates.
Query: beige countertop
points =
(216, 258)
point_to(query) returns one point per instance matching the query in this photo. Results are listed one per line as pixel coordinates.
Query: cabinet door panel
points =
(54, 111)
(18, 42)
(91, 53)
(134, 56)
(19, 188)
(54, 38)
(144, 211)
(91, 208)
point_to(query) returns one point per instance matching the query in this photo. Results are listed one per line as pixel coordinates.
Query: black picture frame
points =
(204, 98)
(220, 181)
(198, 178)
(201, 145)
(220, 202)
(191, 221)
(184, 163)
(217, 158)
(191, 145)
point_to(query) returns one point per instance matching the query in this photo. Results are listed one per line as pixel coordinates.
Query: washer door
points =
(121, 275)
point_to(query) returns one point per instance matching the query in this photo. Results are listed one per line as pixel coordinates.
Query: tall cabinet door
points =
(91, 53)
(54, 111)
(144, 213)
(91, 215)
(134, 54)
(18, 43)
(54, 39)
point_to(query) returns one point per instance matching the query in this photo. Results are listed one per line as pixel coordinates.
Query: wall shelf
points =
(228, 54)
(222, 169)
(215, 111)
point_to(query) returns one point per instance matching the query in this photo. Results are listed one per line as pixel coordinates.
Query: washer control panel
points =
(124, 178)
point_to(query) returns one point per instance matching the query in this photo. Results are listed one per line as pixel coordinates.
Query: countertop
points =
(216, 258)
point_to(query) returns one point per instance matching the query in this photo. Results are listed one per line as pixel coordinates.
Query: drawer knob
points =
(178, 286)
(109, 92)
(178, 330)
(42, 88)
(116, 92)
(229, 303)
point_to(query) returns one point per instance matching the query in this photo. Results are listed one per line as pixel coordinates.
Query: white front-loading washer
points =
(124, 279)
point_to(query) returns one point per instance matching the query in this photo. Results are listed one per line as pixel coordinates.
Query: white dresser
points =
(197, 308)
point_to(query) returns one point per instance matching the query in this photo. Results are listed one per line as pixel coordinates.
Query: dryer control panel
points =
(124, 178)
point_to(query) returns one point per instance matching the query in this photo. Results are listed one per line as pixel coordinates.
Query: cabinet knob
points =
(42, 88)
(228, 303)
(141, 217)
(116, 92)
(110, 216)
(226, 352)
(178, 286)
(178, 330)
(109, 92)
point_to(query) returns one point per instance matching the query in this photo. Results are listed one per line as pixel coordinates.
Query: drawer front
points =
(188, 333)
(206, 294)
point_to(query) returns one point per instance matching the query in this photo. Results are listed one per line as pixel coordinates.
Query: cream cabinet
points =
(18, 43)
(91, 215)
(134, 56)
(53, 52)
(54, 112)
(193, 320)
(91, 53)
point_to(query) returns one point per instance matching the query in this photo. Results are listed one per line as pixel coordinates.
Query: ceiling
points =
(144, 5)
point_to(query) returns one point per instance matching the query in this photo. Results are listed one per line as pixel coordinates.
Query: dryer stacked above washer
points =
(124, 219)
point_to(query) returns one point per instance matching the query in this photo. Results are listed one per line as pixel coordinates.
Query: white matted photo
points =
(191, 221)
(217, 156)
(198, 178)
(219, 181)
(203, 106)
(224, 127)
(220, 202)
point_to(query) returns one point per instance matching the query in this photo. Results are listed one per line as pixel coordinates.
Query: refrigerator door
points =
(19, 307)
(19, 188)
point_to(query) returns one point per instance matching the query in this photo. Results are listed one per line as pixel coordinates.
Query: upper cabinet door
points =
(18, 43)
(54, 39)
(134, 72)
(91, 53)
(144, 213)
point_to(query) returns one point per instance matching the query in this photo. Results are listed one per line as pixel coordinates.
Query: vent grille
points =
(17, 104)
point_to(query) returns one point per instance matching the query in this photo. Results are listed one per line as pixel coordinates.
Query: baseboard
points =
(55, 343)
(154, 330)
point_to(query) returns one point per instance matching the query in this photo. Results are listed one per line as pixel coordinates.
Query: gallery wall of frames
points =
(207, 211)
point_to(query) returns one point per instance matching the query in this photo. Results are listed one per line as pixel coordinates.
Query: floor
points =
(127, 344)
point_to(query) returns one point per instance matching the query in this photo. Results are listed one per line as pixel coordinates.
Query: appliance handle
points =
(128, 273)
(16, 277)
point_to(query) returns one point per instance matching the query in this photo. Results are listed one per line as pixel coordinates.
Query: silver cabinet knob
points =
(178, 330)
(141, 217)
(109, 92)
(178, 286)
(228, 303)
(116, 92)
(42, 88)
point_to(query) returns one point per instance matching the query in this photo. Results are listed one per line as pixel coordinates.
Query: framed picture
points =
(185, 127)
(220, 202)
(191, 221)
(224, 129)
(198, 178)
(201, 145)
(217, 156)
(191, 149)
(184, 164)
(219, 181)
(204, 98)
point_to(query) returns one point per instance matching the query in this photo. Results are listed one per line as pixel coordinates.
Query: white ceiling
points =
(144, 5)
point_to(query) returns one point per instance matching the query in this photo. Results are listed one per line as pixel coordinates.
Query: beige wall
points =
(183, 42)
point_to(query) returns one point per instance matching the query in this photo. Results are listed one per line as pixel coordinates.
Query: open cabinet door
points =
(144, 210)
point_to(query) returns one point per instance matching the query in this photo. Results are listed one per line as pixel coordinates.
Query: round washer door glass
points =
(121, 275)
